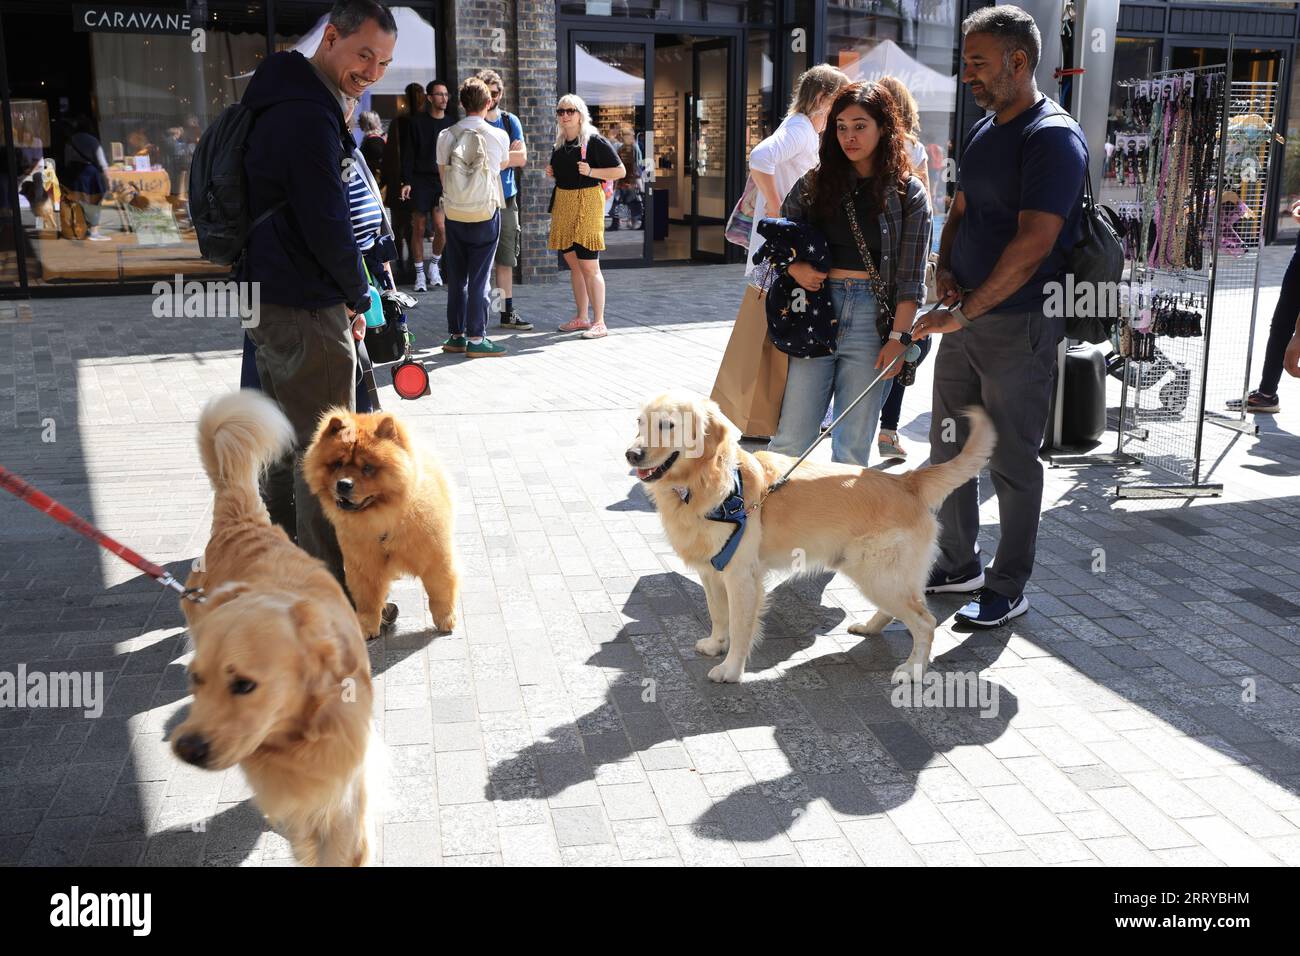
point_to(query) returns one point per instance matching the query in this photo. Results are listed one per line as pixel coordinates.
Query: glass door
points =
(707, 114)
(613, 75)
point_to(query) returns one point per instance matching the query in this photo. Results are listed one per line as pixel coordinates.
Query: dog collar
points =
(732, 511)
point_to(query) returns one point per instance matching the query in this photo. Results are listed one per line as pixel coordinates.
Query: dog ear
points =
(326, 645)
(223, 594)
(389, 430)
(336, 422)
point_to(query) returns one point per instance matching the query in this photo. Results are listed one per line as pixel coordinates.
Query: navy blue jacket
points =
(305, 255)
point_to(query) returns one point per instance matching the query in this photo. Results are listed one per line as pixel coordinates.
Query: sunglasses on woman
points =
(565, 111)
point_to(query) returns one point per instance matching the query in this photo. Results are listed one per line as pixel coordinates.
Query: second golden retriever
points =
(877, 529)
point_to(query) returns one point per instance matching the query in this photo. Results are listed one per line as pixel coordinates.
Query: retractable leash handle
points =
(47, 505)
(838, 418)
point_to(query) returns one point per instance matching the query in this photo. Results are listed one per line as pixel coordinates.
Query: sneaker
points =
(512, 320)
(389, 614)
(889, 446)
(991, 609)
(575, 325)
(596, 332)
(1256, 402)
(455, 343)
(419, 280)
(941, 582)
(482, 349)
(435, 274)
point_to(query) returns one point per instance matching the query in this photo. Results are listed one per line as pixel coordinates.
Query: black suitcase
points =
(1083, 418)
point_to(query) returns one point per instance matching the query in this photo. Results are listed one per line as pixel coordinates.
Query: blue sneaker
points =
(941, 582)
(991, 609)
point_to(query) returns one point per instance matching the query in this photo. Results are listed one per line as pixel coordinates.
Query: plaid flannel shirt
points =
(905, 227)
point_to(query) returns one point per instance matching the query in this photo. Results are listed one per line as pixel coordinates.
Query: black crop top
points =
(565, 159)
(839, 235)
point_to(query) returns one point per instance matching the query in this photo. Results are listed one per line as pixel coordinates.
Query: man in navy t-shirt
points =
(1016, 213)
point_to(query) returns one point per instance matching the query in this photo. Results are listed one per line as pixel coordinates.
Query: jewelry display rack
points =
(1179, 384)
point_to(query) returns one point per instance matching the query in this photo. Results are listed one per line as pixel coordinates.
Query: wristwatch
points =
(904, 337)
(960, 316)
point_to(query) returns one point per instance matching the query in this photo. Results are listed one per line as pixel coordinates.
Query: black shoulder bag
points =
(884, 297)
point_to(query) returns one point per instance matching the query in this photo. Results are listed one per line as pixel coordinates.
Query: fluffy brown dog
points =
(877, 529)
(280, 675)
(390, 504)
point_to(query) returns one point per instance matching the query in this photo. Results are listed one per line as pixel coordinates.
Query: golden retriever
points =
(877, 529)
(280, 676)
(391, 506)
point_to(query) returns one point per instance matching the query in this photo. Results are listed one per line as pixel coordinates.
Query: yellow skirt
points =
(578, 216)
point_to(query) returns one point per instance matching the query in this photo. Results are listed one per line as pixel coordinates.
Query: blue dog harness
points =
(732, 511)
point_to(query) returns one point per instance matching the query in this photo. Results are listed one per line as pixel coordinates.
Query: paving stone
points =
(1122, 736)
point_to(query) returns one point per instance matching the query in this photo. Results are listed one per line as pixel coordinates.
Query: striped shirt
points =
(367, 214)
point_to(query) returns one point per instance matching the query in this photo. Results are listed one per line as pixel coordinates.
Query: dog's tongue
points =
(644, 473)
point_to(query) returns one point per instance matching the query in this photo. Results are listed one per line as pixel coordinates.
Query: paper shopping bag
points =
(751, 380)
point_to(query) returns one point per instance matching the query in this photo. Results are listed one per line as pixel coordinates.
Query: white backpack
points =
(471, 187)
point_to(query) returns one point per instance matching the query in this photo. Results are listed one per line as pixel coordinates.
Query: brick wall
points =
(517, 39)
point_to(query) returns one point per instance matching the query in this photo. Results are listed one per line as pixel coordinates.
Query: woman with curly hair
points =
(864, 177)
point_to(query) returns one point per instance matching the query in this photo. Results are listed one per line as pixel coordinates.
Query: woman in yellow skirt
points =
(581, 161)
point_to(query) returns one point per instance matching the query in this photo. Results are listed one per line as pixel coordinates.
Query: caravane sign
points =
(94, 19)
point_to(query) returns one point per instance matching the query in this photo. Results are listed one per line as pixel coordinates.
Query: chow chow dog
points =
(391, 506)
(877, 529)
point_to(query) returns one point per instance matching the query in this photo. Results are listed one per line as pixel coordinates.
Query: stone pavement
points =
(1148, 713)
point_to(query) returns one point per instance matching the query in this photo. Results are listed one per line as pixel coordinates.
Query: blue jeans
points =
(812, 381)
(466, 268)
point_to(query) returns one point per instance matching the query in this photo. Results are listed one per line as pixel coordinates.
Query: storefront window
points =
(913, 41)
(704, 11)
(1289, 186)
(105, 132)
(760, 116)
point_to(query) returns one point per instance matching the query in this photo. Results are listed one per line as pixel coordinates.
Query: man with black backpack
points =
(304, 254)
(1014, 223)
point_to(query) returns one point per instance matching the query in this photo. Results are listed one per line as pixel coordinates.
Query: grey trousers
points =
(306, 359)
(1004, 362)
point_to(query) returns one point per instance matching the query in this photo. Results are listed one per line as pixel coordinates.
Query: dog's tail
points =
(934, 483)
(239, 435)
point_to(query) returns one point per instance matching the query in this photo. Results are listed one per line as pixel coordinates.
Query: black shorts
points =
(426, 191)
(582, 252)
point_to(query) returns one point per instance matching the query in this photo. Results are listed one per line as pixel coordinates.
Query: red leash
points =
(44, 503)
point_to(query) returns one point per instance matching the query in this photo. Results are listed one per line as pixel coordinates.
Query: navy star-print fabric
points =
(801, 323)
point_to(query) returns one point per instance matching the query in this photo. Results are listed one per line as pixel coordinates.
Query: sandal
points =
(597, 331)
(889, 446)
(575, 325)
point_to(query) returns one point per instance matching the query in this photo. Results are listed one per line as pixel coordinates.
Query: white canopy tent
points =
(600, 84)
(933, 91)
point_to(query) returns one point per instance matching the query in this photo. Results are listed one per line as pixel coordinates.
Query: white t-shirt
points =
(916, 153)
(498, 142)
(785, 155)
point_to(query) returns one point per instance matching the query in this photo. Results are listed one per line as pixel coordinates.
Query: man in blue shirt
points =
(1014, 217)
(507, 256)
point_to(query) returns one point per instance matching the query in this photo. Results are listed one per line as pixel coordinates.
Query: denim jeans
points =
(466, 269)
(812, 382)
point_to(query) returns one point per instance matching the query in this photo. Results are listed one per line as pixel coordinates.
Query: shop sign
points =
(97, 19)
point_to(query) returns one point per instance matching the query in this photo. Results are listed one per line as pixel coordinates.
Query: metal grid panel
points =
(1165, 402)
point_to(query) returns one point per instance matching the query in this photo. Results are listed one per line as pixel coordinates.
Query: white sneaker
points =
(419, 281)
(435, 274)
